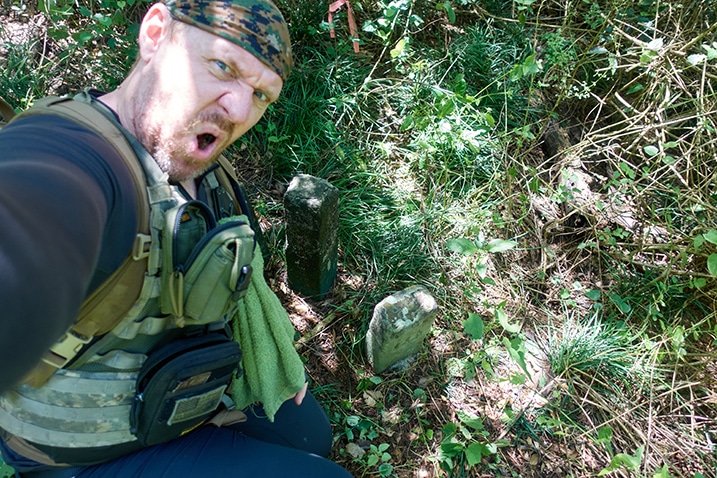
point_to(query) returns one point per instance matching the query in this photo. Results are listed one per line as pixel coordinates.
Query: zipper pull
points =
(176, 296)
(135, 412)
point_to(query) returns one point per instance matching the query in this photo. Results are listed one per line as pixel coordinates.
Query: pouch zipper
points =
(211, 225)
(203, 241)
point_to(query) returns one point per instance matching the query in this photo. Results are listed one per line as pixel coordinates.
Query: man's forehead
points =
(242, 61)
(255, 25)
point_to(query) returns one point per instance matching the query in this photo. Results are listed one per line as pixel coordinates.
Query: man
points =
(206, 72)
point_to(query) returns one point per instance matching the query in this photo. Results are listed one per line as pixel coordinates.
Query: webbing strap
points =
(109, 303)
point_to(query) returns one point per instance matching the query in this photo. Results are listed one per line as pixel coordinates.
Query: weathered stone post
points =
(312, 221)
(400, 323)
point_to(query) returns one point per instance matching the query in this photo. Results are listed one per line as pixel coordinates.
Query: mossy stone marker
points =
(312, 222)
(400, 323)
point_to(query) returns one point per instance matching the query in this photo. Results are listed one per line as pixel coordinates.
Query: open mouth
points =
(205, 140)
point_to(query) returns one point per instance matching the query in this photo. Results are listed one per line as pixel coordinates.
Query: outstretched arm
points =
(57, 191)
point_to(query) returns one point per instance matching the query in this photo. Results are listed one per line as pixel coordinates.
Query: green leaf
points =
(476, 423)
(475, 453)
(651, 150)
(663, 472)
(449, 11)
(620, 303)
(82, 37)
(449, 429)
(58, 33)
(698, 240)
(407, 123)
(531, 66)
(699, 282)
(104, 20)
(504, 321)
(369, 27)
(452, 449)
(499, 245)
(399, 49)
(647, 56)
(623, 459)
(696, 59)
(482, 270)
(627, 170)
(711, 50)
(712, 264)
(462, 246)
(416, 21)
(516, 349)
(385, 470)
(655, 45)
(634, 89)
(489, 119)
(711, 236)
(593, 294)
(474, 326)
(604, 434)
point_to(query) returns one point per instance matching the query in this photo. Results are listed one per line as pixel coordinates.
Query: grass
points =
(585, 135)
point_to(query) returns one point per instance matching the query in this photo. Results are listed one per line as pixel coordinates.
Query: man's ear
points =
(155, 28)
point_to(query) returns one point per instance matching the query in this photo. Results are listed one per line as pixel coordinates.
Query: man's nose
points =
(238, 102)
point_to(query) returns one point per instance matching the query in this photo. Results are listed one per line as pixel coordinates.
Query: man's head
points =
(207, 71)
(255, 25)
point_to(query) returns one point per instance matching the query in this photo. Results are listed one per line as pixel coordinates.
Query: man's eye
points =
(222, 66)
(261, 95)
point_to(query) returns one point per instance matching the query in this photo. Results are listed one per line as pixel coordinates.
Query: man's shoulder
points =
(61, 139)
(46, 125)
(56, 109)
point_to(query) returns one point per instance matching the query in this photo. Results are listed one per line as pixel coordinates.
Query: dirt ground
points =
(426, 396)
(409, 409)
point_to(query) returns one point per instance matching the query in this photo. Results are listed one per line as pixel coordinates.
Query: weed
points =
(465, 445)
(603, 354)
(379, 456)
(5, 470)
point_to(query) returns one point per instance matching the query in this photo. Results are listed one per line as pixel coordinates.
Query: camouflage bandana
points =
(255, 25)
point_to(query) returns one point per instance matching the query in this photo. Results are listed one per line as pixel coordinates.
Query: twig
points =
(315, 330)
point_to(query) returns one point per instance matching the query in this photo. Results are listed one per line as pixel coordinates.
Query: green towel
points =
(273, 370)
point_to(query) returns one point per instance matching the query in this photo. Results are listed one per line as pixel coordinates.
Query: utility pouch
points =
(206, 267)
(181, 385)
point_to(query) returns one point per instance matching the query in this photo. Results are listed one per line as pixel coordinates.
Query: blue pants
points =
(294, 445)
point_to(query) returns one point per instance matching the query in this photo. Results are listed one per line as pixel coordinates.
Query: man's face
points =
(202, 94)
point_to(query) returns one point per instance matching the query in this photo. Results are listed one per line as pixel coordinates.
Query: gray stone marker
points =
(312, 222)
(400, 323)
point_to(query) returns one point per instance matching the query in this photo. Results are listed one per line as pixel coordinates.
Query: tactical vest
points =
(185, 274)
